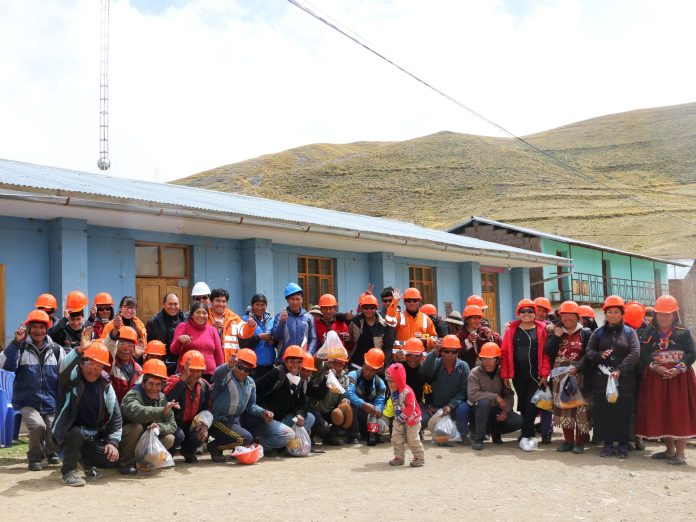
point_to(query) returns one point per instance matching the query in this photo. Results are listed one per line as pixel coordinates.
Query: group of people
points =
(91, 383)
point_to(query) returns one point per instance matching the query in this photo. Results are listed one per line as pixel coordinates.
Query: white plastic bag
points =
(333, 385)
(612, 390)
(332, 348)
(301, 445)
(445, 430)
(150, 453)
(543, 399)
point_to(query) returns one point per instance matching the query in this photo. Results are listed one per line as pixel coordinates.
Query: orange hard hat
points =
(97, 352)
(196, 358)
(76, 301)
(476, 300)
(293, 351)
(666, 304)
(568, 307)
(126, 333)
(38, 316)
(634, 314)
(451, 341)
(489, 350)
(368, 299)
(249, 457)
(248, 356)
(308, 362)
(414, 345)
(543, 303)
(472, 311)
(155, 348)
(102, 298)
(46, 301)
(613, 301)
(327, 300)
(374, 358)
(525, 303)
(428, 309)
(155, 367)
(413, 293)
(585, 311)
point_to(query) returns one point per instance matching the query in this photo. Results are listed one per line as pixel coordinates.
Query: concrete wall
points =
(500, 235)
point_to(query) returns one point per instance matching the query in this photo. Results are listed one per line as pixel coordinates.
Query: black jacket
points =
(157, 330)
(275, 393)
(626, 352)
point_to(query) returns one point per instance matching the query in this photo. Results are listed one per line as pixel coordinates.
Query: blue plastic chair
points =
(8, 415)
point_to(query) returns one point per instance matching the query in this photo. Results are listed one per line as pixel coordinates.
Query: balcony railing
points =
(592, 289)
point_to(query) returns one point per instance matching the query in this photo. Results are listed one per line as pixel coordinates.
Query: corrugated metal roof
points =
(561, 239)
(65, 182)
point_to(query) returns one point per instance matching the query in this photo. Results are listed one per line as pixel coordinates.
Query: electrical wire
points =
(558, 161)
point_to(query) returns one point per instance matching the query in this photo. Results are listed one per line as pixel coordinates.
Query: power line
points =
(563, 164)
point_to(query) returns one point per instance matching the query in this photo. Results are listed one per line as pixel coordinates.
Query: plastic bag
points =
(204, 417)
(332, 348)
(383, 426)
(445, 430)
(388, 410)
(543, 399)
(569, 395)
(333, 385)
(150, 453)
(612, 390)
(301, 445)
(249, 455)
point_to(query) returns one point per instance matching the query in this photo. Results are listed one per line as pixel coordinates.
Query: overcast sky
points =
(202, 83)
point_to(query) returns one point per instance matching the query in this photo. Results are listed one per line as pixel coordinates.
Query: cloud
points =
(201, 83)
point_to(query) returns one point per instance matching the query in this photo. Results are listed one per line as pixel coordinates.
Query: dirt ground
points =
(499, 483)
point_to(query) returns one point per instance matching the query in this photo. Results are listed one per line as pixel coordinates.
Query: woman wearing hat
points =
(454, 322)
(614, 347)
(667, 397)
(526, 365)
(474, 335)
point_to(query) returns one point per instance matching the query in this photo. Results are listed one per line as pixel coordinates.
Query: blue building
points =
(62, 230)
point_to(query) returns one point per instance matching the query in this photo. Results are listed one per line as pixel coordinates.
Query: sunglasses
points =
(369, 307)
(387, 301)
(243, 368)
(201, 297)
(103, 308)
(411, 300)
(450, 352)
(527, 311)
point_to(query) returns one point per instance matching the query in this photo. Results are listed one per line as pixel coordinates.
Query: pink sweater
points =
(204, 338)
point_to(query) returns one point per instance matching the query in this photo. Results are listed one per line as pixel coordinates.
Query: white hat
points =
(200, 288)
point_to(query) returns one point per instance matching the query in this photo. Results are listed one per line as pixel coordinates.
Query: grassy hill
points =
(444, 178)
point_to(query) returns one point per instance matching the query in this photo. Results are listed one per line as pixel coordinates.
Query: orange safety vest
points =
(233, 328)
(406, 325)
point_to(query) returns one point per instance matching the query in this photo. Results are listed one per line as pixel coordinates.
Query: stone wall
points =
(685, 292)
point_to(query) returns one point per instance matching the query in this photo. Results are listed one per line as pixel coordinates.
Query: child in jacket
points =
(407, 418)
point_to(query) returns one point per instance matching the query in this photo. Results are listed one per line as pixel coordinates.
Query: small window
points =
(161, 261)
(421, 277)
(316, 277)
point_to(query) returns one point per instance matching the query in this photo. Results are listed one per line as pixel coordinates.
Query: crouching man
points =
(88, 424)
(145, 407)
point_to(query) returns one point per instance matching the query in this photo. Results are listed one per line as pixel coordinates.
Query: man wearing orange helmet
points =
(101, 312)
(369, 330)
(323, 406)
(438, 321)
(125, 370)
(193, 394)
(366, 393)
(88, 425)
(329, 320)
(477, 300)
(162, 325)
(411, 322)
(145, 407)
(35, 358)
(47, 303)
(68, 331)
(228, 324)
(473, 335)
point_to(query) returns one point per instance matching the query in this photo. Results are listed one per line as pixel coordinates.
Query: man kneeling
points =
(88, 425)
(490, 399)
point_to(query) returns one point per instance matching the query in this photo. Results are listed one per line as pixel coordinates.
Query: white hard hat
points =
(200, 288)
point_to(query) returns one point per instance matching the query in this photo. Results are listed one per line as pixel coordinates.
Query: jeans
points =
(485, 412)
(80, 446)
(41, 441)
(272, 435)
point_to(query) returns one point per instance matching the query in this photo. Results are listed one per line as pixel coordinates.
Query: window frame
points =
(160, 247)
(303, 277)
(426, 286)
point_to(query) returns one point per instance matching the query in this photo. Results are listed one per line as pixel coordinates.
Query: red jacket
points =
(322, 328)
(507, 362)
(406, 406)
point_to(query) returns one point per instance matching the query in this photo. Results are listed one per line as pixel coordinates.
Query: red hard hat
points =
(248, 356)
(451, 341)
(472, 311)
(634, 314)
(374, 358)
(413, 293)
(327, 300)
(76, 301)
(543, 303)
(666, 304)
(46, 301)
(613, 301)
(586, 311)
(97, 352)
(525, 303)
(476, 300)
(428, 309)
(38, 316)
(568, 307)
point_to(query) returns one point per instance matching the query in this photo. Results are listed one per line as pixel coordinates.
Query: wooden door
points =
(489, 294)
(149, 292)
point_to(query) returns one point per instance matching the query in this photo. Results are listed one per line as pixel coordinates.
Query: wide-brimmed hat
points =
(455, 318)
(342, 416)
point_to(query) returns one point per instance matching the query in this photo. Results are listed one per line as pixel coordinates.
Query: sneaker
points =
(396, 461)
(525, 444)
(579, 449)
(622, 451)
(216, 455)
(497, 438)
(35, 465)
(53, 460)
(93, 473)
(71, 478)
(546, 439)
(565, 447)
(477, 444)
(533, 442)
(417, 463)
(608, 451)
(127, 470)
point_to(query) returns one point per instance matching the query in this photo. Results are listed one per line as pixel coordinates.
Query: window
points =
(161, 261)
(421, 277)
(316, 277)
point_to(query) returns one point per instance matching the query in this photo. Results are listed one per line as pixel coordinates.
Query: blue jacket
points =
(297, 329)
(232, 398)
(71, 387)
(36, 373)
(357, 394)
(265, 353)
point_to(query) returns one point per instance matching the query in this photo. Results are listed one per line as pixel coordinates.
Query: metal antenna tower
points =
(104, 162)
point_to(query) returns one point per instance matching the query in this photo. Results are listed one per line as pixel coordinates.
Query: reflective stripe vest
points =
(406, 325)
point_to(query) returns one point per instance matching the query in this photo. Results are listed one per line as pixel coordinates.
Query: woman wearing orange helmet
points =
(368, 330)
(615, 347)
(587, 316)
(667, 396)
(473, 335)
(101, 312)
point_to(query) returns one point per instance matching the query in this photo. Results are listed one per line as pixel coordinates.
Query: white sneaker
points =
(533, 442)
(524, 444)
